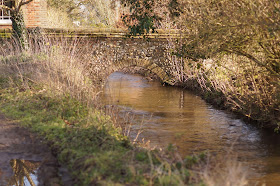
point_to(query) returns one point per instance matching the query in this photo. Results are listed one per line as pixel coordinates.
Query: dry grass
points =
(65, 64)
(224, 171)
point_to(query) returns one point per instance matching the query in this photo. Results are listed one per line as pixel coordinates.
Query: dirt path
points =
(23, 153)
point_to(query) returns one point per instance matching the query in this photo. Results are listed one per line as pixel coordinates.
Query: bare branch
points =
(21, 3)
(25, 2)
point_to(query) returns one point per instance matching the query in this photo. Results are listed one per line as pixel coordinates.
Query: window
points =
(5, 16)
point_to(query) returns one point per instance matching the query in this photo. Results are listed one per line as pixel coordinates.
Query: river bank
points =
(172, 115)
(93, 149)
(223, 95)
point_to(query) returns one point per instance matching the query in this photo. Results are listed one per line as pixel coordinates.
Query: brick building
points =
(34, 13)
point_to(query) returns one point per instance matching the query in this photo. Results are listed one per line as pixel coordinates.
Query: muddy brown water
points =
(171, 115)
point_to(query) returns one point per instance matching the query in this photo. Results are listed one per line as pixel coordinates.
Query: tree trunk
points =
(19, 30)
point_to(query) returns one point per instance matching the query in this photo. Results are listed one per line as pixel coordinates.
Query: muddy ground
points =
(24, 155)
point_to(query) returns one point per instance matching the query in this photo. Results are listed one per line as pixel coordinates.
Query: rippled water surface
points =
(173, 115)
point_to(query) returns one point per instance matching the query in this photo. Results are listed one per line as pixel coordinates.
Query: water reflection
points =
(181, 118)
(23, 172)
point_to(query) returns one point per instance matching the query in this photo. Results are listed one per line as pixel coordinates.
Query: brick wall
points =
(35, 13)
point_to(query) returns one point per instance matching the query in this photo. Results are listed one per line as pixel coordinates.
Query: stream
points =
(170, 115)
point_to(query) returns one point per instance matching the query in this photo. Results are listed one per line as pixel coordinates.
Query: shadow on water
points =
(184, 119)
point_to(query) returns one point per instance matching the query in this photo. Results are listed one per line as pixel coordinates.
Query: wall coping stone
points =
(100, 32)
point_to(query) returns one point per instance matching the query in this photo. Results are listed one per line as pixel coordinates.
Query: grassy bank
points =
(50, 91)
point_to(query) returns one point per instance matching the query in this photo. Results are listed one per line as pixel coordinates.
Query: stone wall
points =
(114, 50)
(120, 53)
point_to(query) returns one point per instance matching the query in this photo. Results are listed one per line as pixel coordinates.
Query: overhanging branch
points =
(21, 3)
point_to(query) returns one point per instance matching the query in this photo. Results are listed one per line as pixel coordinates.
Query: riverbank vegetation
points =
(228, 50)
(50, 90)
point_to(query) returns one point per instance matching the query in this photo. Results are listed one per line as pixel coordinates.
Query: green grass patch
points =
(74, 131)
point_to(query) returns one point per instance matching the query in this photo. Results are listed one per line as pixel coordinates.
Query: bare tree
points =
(18, 24)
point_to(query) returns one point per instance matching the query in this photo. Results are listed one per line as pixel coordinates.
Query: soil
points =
(20, 147)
